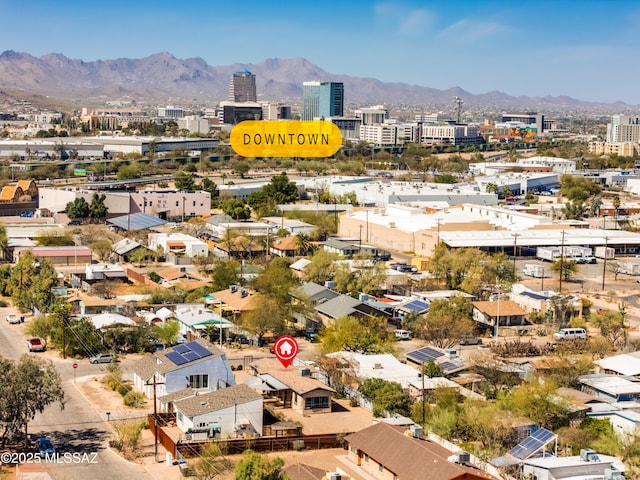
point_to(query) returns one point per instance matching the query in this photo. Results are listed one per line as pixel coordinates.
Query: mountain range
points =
(162, 77)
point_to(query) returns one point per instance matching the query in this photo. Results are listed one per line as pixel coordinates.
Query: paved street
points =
(78, 428)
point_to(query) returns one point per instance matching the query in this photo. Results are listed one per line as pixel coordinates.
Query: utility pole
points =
(604, 263)
(155, 415)
(561, 263)
(515, 239)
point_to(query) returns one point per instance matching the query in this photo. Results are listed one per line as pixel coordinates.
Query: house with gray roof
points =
(125, 248)
(224, 413)
(196, 365)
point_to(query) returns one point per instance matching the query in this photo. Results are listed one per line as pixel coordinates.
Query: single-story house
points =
(299, 265)
(125, 248)
(196, 365)
(590, 465)
(178, 245)
(503, 313)
(104, 271)
(234, 300)
(386, 451)
(294, 387)
(103, 320)
(610, 388)
(230, 412)
(627, 364)
(195, 318)
(285, 247)
(625, 423)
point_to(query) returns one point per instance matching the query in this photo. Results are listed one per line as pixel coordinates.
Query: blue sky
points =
(586, 50)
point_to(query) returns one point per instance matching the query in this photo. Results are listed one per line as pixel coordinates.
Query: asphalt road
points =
(78, 430)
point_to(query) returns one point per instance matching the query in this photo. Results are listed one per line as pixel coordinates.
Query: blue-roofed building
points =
(242, 87)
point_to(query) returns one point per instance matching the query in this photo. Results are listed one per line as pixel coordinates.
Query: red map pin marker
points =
(285, 349)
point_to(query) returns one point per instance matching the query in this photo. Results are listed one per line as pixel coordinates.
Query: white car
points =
(13, 318)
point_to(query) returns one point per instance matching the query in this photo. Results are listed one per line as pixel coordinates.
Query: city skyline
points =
(547, 49)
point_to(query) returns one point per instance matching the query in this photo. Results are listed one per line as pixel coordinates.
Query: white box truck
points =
(629, 268)
(577, 251)
(605, 252)
(536, 271)
(550, 254)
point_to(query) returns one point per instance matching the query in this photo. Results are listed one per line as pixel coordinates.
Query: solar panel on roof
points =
(182, 348)
(199, 349)
(417, 305)
(424, 355)
(448, 366)
(191, 356)
(532, 444)
(176, 358)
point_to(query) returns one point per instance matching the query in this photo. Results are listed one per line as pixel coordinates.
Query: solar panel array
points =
(188, 352)
(417, 305)
(425, 355)
(450, 366)
(530, 445)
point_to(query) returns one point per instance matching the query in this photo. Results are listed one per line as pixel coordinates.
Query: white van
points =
(403, 334)
(570, 334)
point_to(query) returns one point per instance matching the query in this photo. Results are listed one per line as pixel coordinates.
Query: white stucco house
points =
(225, 413)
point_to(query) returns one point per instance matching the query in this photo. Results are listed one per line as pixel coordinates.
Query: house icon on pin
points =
(286, 348)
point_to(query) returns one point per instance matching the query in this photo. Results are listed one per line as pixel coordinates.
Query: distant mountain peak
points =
(162, 76)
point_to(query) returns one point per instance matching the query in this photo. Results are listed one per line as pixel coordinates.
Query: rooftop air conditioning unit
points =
(460, 457)
(416, 431)
(305, 372)
(333, 476)
(377, 366)
(392, 224)
(588, 455)
(450, 352)
(233, 288)
(244, 293)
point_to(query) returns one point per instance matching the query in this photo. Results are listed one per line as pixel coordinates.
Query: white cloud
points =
(467, 31)
(404, 20)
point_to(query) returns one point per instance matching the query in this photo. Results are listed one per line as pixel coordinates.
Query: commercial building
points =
(623, 128)
(532, 119)
(322, 99)
(242, 87)
(170, 112)
(450, 135)
(372, 115)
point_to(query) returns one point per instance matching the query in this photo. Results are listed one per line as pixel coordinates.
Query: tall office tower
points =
(322, 99)
(242, 87)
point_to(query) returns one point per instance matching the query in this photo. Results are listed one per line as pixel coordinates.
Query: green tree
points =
(432, 369)
(564, 267)
(491, 187)
(97, 209)
(446, 322)
(102, 249)
(385, 396)
(225, 273)
(241, 167)
(265, 317)
(139, 256)
(321, 268)
(574, 210)
(79, 208)
(236, 208)
(276, 282)
(210, 186)
(167, 332)
(31, 283)
(129, 172)
(50, 238)
(255, 466)
(539, 402)
(611, 325)
(578, 188)
(363, 335)
(303, 244)
(184, 181)
(4, 241)
(26, 388)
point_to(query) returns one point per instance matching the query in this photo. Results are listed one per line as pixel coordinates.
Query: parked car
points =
(471, 341)
(103, 358)
(36, 344)
(44, 447)
(403, 334)
(75, 222)
(570, 334)
(13, 318)
(311, 336)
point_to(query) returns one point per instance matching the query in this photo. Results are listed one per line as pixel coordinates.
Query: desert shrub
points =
(134, 399)
(124, 388)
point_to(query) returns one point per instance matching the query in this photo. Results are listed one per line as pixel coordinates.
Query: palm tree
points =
(303, 243)
(616, 207)
(491, 188)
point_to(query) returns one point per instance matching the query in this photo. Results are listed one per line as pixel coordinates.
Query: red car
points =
(36, 344)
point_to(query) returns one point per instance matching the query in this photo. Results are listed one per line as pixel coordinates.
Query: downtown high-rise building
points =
(322, 99)
(242, 87)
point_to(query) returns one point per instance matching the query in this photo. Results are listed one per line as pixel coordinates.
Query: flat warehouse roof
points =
(539, 238)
